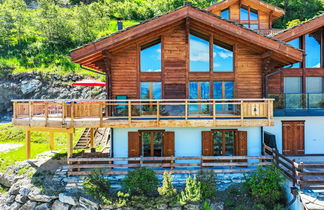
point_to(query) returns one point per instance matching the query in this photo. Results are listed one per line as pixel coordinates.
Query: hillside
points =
(37, 36)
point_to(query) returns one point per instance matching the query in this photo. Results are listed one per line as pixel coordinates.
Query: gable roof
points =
(300, 29)
(277, 12)
(93, 51)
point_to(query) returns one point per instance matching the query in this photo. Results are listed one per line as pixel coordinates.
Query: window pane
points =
(145, 90)
(223, 57)
(193, 90)
(218, 90)
(204, 90)
(156, 92)
(314, 84)
(313, 50)
(295, 43)
(244, 14)
(229, 142)
(151, 58)
(254, 26)
(225, 14)
(229, 89)
(199, 54)
(218, 139)
(292, 85)
(146, 142)
(157, 144)
(254, 14)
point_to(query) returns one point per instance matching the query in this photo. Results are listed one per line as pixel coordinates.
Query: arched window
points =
(223, 57)
(151, 57)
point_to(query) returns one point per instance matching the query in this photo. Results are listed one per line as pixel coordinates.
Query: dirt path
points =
(7, 147)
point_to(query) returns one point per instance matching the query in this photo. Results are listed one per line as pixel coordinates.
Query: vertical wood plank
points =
(91, 138)
(69, 145)
(27, 133)
(51, 141)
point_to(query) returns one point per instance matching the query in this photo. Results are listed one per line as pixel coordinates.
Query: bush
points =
(259, 207)
(167, 189)
(240, 207)
(122, 199)
(192, 191)
(141, 181)
(97, 186)
(278, 207)
(265, 185)
(207, 180)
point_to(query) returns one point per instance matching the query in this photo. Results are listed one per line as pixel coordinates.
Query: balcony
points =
(143, 113)
(288, 104)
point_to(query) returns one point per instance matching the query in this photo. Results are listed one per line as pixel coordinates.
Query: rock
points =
(30, 86)
(217, 206)
(24, 191)
(15, 206)
(78, 208)
(192, 207)
(69, 199)
(39, 198)
(10, 199)
(21, 198)
(175, 208)
(28, 205)
(88, 204)
(8, 180)
(162, 206)
(43, 206)
(58, 205)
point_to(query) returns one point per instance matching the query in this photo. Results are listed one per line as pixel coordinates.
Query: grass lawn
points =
(40, 143)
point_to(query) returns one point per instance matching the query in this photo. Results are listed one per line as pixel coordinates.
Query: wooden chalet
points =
(189, 85)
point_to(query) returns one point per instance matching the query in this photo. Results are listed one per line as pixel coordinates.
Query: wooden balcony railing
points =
(138, 112)
(83, 165)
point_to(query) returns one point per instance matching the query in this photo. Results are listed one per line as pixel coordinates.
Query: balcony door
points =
(293, 137)
(224, 90)
(199, 90)
(150, 90)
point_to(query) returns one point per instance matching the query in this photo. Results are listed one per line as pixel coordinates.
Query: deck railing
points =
(83, 165)
(306, 175)
(144, 109)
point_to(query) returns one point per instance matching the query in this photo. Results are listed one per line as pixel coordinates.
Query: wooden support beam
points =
(51, 141)
(69, 145)
(27, 144)
(58, 130)
(91, 138)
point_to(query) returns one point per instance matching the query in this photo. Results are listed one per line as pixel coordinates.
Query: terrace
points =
(143, 113)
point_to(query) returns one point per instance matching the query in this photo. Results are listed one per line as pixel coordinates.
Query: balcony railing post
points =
(14, 110)
(158, 113)
(242, 113)
(186, 110)
(100, 113)
(72, 113)
(46, 113)
(129, 112)
(214, 113)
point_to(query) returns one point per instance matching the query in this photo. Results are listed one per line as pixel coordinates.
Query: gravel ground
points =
(7, 147)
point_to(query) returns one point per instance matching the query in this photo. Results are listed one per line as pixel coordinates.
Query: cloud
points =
(225, 55)
(199, 51)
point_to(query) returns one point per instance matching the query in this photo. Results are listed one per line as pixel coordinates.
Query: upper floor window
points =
(151, 57)
(151, 90)
(244, 13)
(199, 53)
(295, 43)
(249, 17)
(225, 14)
(254, 14)
(223, 56)
(313, 49)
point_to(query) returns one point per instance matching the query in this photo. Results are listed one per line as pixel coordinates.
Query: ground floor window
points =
(151, 143)
(223, 142)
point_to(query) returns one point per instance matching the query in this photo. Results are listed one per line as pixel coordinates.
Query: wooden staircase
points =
(84, 140)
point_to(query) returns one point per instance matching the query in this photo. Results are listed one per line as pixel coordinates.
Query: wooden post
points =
(158, 113)
(214, 113)
(51, 141)
(69, 145)
(242, 113)
(129, 112)
(27, 144)
(46, 113)
(91, 138)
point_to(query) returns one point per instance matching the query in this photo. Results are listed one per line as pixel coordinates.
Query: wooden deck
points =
(143, 113)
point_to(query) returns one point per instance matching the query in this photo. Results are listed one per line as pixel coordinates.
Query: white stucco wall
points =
(314, 133)
(187, 140)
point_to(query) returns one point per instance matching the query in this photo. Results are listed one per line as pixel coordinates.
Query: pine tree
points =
(167, 189)
(192, 191)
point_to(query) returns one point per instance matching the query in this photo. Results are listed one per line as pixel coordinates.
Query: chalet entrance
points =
(293, 137)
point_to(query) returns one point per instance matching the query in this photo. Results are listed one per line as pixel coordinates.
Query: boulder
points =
(8, 180)
(78, 208)
(15, 206)
(24, 191)
(192, 207)
(69, 199)
(29, 86)
(88, 204)
(107, 207)
(28, 205)
(10, 199)
(58, 205)
(21, 198)
(39, 198)
(43, 206)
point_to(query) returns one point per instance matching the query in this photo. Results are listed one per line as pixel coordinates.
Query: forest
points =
(38, 35)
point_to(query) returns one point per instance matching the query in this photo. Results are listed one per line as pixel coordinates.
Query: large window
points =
(223, 57)
(315, 90)
(151, 57)
(249, 17)
(293, 90)
(225, 14)
(150, 90)
(199, 54)
(224, 90)
(199, 90)
(224, 142)
(313, 49)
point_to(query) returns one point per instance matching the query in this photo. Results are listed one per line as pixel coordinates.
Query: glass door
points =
(152, 143)
(224, 142)
(199, 90)
(224, 90)
(150, 90)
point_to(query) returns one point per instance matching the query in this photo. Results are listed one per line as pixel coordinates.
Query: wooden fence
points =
(307, 176)
(83, 165)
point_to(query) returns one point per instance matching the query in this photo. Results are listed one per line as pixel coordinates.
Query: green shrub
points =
(259, 207)
(206, 206)
(192, 192)
(265, 185)
(122, 199)
(167, 189)
(97, 186)
(229, 203)
(278, 207)
(141, 181)
(207, 180)
(240, 207)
